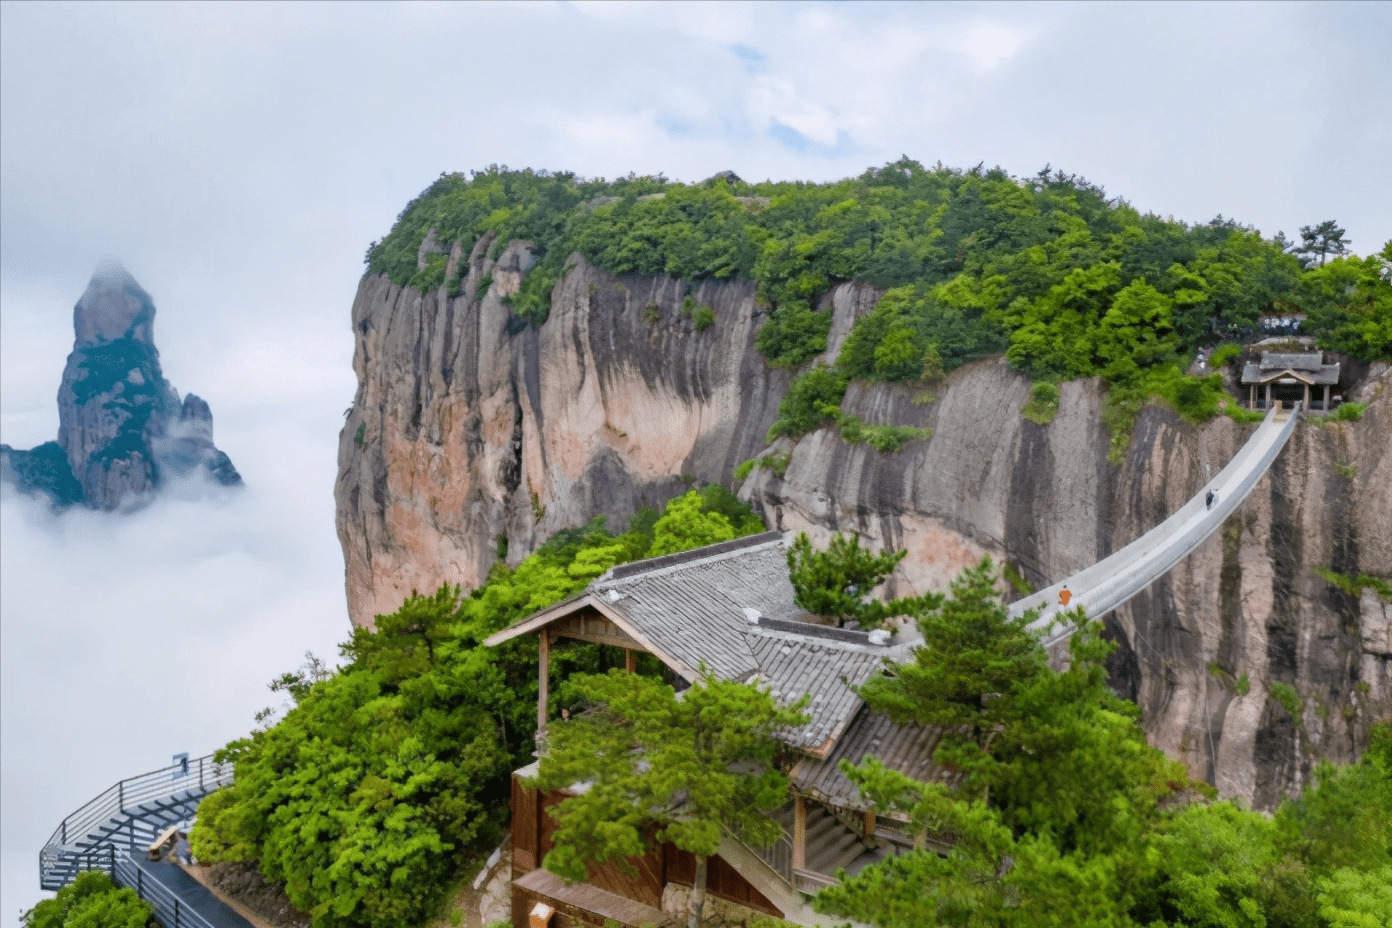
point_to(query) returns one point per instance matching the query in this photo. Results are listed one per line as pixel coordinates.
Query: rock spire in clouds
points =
(122, 430)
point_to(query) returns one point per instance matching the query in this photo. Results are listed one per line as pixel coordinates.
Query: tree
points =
(90, 901)
(1323, 240)
(973, 658)
(838, 582)
(683, 770)
(686, 524)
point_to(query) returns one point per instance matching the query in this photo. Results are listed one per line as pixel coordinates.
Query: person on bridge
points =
(1064, 596)
(1211, 498)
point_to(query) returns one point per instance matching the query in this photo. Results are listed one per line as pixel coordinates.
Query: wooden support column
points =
(799, 832)
(869, 824)
(1251, 396)
(543, 680)
(1306, 407)
(630, 660)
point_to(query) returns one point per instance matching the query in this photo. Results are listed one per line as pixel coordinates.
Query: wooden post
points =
(1306, 407)
(869, 824)
(543, 681)
(1251, 396)
(630, 660)
(799, 832)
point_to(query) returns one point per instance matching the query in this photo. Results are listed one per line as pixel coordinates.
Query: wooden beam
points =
(630, 660)
(543, 680)
(799, 832)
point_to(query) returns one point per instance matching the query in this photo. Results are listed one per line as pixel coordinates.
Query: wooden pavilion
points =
(729, 607)
(1289, 377)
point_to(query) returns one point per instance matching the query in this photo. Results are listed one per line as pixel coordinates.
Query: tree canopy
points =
(1064, 815)
(387, 776)
(90, 901)
(839, 581)
(656, 767)
(1048, 269)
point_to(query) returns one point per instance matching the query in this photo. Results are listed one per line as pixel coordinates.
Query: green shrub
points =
(1242, 414)
(1347, 412)
(1017, 582)
(703, 317)
(484, 283)
(813, 400)
(652, 313)
(358, 438)
(1043, 403)
(90, 901)
(1224, 353)
(1354, 585)
(778, 463)
(1287, 697)
(1243, 685)
(886, 439)
(793, 335)
(432, 275)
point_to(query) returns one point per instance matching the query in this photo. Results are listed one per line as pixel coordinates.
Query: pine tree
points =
(683, 770)
(837, 582)
(1323, 240)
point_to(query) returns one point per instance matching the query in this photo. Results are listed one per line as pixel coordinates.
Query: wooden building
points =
(730, 607)
(1289, 378)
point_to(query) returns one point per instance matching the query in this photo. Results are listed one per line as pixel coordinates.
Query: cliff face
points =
(472, 436)
(122, 429)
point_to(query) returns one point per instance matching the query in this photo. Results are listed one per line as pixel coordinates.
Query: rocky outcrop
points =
(122, 429)
(475, 436)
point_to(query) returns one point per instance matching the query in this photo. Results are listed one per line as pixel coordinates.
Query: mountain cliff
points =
(474, 436)
(122, 429)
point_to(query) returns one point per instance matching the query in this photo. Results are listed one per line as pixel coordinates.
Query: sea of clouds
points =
(128, 637)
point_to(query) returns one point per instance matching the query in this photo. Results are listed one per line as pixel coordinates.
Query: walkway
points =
(1115, 579)
(112, 831)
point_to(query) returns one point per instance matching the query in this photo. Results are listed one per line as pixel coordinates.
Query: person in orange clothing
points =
(1064, 596)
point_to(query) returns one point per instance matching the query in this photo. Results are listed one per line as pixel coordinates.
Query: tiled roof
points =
(905, 748)
(1261, 373)
(1303, 361)
(704, 606)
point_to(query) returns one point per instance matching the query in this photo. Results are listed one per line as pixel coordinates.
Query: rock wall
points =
(122, 429)
(475, 437)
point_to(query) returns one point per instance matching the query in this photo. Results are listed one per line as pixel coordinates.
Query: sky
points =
(239, 158)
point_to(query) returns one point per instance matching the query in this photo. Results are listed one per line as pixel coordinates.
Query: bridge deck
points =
(1115, 579)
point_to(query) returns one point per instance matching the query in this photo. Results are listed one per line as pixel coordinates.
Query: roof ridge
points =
(665, 563)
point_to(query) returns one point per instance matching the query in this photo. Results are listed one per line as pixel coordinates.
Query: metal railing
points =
(171, 911)
(99, 821)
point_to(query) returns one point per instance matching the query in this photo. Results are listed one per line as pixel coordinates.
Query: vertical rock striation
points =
(474, 437)
(122, 429)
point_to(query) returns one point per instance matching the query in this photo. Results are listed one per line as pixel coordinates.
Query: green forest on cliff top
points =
(1048, 270)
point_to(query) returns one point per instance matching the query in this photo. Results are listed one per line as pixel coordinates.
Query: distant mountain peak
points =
(122, 430)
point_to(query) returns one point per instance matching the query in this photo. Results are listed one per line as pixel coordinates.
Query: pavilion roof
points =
(730, 608)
